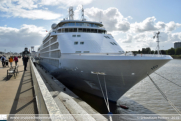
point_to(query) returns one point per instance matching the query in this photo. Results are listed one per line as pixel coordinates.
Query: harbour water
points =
(144, 98)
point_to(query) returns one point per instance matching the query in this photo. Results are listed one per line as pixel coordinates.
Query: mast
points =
(71, 13)
(158, 47)
(83, 14)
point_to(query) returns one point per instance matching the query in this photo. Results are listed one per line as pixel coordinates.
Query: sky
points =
(133, 23)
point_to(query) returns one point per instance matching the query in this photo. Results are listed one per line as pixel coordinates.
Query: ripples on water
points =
(144, 98)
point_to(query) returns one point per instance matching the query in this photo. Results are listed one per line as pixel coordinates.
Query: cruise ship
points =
(82, 55)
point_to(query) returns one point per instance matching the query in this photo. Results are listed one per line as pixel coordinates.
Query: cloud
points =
(26, 9)
(128, 39)
(176, 37)
(147, 25)
(13, 38)
(112, 19)
(64, 3)
(172, 26)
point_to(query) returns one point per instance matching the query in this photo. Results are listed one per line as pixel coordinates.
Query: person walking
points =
(3, 58)
(11, 61)
(16, 60)
(25, 61)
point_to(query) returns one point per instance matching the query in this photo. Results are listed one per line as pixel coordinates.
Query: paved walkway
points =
(17, 95)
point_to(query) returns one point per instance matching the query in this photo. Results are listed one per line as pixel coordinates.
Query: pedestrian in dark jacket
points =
(3, 58)
(25, 61)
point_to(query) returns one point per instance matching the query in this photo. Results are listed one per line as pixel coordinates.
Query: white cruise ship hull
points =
(121, 72)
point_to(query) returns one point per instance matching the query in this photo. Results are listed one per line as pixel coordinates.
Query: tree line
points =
(170, 51)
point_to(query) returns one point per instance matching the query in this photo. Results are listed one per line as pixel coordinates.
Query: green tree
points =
(139, 51)
(163, 52)
(171, 51)
(143, 50)
(148, 50)
(178, 51)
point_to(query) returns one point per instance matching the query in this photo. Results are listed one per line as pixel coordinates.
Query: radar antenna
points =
(71, 13)
(157, 36)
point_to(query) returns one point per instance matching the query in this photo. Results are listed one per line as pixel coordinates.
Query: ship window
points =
(70, 30)
(79, 24)
(75, 29)
(115, 43)
(95, 25)
(86, 51)
(73, 35)
(112, 43)
(88, 30)
(75, 43)
(81, 43)
(92, 25)
(63, 30)
(66, 24)
(71, 24)
(59, 31)
(80, 30)
(101, 31)
(92, 30)
(66, 30)
(77, 51)
(84, 30)
(78, 36)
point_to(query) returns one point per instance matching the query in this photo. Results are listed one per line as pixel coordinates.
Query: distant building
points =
(177, 45)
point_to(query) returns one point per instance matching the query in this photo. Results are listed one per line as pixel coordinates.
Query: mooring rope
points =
(106, 93)
(107, 105)
(163, 94)
(167, 79)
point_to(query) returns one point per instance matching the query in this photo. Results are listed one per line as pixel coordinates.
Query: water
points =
(144, 98)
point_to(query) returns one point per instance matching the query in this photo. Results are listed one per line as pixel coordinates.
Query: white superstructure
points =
(82, 55)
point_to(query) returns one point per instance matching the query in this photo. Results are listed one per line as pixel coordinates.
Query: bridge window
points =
(78, 36)
(73, 35)
(101, 31)
(80, 30)
(66, 30)
(88, 30)
(84, 30)
(70, 29)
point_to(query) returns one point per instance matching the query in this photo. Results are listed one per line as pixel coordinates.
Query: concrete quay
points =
(34, 92)
(17, 94)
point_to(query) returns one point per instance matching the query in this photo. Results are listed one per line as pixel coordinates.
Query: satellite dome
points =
(54, 25)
